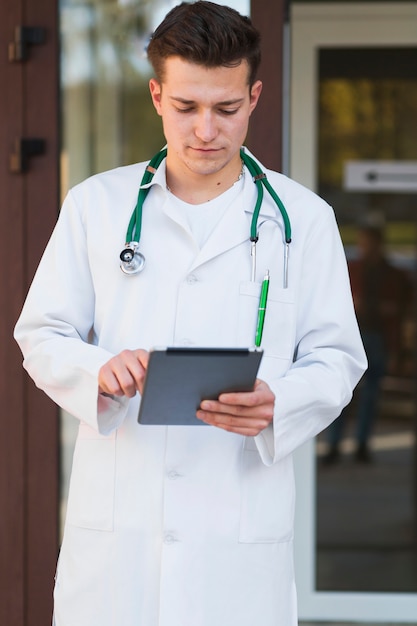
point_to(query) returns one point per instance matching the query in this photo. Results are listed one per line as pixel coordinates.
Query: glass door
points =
(367, 169)
(354, 140)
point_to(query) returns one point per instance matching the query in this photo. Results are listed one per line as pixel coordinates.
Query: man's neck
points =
(199, 188)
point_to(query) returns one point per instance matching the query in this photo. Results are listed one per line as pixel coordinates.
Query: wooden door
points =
(28, 209)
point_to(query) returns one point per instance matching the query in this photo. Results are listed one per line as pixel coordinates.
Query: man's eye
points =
(228, 111)
(184, 110)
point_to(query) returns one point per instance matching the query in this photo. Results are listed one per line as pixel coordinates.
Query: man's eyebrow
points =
(223, 103)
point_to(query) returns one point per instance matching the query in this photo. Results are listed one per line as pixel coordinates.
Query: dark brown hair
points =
(207, 34)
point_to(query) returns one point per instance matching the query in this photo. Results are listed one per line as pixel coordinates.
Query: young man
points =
(188, 525)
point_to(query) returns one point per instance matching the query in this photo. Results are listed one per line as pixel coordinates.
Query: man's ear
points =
(156, 89)
(255, 92)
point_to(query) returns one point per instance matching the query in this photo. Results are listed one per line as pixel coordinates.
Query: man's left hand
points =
(245, 413)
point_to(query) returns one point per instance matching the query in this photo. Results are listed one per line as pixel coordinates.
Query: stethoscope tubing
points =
(132, 261)
(260, 180)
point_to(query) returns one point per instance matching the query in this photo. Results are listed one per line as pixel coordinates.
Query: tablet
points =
(178, 379)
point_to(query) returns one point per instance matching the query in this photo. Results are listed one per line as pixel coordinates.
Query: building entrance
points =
(354, 140)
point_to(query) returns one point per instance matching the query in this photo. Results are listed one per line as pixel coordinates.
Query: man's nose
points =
(205, 128)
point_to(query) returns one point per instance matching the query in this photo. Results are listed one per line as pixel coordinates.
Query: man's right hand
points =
(123, 375)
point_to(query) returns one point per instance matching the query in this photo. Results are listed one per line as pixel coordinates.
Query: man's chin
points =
(206, 164)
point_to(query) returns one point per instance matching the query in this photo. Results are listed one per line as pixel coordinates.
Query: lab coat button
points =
(169, 539)
(173, 475)
(192, 279)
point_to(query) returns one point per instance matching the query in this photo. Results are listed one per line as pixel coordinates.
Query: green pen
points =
(261, 309)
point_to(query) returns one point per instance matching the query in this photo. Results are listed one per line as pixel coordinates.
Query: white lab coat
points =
(186, 526)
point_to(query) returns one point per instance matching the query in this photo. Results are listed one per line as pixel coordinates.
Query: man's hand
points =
(124, 374)
(245, 413)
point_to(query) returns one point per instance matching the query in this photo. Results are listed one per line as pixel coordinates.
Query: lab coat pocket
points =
(267, 498)
(279, 326)
(91, 494)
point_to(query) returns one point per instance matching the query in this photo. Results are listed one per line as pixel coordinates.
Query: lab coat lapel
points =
(234, 227)
(169, 208)
(231, 231)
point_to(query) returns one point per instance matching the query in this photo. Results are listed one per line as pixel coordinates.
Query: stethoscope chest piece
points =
(131, 261)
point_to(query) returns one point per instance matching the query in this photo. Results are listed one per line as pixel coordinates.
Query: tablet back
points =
(177, 379)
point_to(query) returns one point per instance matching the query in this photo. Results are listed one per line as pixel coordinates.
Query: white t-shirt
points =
(202, 218)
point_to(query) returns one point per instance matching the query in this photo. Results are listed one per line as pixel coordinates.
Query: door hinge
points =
(24, 149)
(25, 36)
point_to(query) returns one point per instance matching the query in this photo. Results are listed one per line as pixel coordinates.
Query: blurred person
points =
(381, 294)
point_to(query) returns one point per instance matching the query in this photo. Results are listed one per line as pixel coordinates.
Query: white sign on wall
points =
(380, 176)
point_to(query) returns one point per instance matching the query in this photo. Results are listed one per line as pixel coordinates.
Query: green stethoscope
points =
(132, 261)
